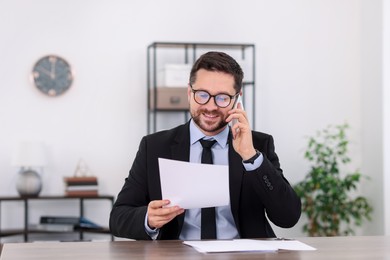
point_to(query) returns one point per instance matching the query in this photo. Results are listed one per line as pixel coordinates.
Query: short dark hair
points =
(220, 62)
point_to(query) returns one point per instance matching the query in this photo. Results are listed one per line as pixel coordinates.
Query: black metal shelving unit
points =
(26, 230)
(190, 51)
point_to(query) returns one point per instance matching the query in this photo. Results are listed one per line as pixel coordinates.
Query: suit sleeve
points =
(128, 213)
(282, 205)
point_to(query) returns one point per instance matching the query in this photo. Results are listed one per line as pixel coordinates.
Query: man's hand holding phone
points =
(241, 131)
(235, 114)
(238, 104)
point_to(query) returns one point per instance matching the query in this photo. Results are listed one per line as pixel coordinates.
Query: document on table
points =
(245, 245)
(194, 185)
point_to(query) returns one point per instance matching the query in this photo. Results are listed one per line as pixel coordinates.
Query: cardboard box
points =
(169, 98)
(174, 75)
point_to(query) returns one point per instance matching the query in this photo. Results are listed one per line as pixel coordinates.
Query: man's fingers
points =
(155, 204)
(166, 212)
(159, 216)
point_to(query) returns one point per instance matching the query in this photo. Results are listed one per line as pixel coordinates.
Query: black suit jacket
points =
(252, 194)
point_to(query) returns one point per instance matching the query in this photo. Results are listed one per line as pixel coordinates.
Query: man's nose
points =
(211, 104)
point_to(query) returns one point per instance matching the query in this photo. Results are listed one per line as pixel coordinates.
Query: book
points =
(87, 224)
(87, 180)
(59, 220)
(81, 187)
(53, 227)
(64, 223)
(81, 193)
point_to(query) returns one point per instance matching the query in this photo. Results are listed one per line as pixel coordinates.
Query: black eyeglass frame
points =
(214, 96)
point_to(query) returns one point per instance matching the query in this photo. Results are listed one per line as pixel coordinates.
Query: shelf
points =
(55, 197)
(28, 229)
(13, 232)
(200, 44)
(188, 52)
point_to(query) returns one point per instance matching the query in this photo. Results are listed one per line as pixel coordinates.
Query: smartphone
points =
(239, 101)
(234, 121)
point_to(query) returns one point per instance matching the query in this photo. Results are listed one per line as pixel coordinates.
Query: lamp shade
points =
(29, 154)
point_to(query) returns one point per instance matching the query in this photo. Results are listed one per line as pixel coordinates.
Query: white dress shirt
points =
(226, 228)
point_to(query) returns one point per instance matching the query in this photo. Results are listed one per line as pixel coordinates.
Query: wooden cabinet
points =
(27, 229)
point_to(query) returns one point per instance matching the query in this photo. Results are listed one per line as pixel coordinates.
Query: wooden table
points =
(329, 248)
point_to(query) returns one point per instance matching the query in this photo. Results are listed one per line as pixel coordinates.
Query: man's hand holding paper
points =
(159, 215)
(194, 185)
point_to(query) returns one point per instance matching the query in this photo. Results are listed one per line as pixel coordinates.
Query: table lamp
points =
(29, 156)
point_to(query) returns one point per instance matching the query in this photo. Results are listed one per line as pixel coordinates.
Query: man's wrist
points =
(252, 159)
(152, 232)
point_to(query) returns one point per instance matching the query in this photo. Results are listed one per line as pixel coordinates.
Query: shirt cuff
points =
(256, 164)
(153, 233)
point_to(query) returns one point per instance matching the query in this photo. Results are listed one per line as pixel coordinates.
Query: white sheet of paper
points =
(219, 246)
(293, 245)
(194, 185)
(241, 245)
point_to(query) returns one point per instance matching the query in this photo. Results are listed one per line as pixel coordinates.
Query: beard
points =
(212, 128)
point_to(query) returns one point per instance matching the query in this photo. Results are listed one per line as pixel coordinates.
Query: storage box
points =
(169, 98)
(174, 75)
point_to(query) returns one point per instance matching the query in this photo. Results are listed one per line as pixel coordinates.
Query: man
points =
(256, 183)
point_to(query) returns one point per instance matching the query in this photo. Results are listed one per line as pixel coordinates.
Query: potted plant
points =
(325, 192)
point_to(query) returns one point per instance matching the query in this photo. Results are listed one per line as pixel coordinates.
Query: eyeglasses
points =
(221, 100)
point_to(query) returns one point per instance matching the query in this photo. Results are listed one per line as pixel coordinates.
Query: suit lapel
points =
(235, 179)
(180, 150)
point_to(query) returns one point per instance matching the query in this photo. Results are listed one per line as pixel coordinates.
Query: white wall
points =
(312, 58)
(386, 114)
(371, 111)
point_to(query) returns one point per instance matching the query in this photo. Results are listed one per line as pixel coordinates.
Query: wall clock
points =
(52, 75)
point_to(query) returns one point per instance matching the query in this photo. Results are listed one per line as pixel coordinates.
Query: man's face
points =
(210, 118)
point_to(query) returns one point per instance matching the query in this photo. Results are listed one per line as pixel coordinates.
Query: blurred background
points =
(318, 63)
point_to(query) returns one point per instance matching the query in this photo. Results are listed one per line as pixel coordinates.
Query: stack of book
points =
(49, 223)
(81, 186)
(65, 223)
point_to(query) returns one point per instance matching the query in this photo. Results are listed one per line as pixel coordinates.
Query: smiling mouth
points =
(210, 116)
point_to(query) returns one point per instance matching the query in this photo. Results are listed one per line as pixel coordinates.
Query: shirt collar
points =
(196, 134)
